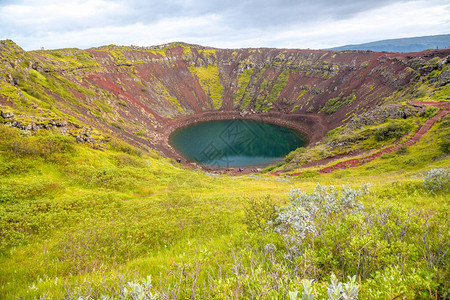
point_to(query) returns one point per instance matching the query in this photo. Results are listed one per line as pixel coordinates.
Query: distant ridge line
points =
(411, 44)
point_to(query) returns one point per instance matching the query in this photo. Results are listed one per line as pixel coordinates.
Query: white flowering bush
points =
(437, 180)
(335, 291)
(133, 291)
(308, 213)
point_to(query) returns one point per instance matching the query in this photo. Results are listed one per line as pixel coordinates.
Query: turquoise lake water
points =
(235, 143)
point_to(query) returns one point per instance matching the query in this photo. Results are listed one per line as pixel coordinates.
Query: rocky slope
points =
(141, 94)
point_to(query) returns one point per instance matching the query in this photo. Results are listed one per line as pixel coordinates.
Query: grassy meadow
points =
(122, 223)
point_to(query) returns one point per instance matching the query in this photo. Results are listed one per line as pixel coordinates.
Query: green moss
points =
(250, 90)
(209, 80)
(241, 97)
(334, 104)
(270, 91)
(105, 107)
(365, 64)
(164, 94)
(279, 85)
(9, 92)
(78, 87)
(294, 109)
(38, 78)
(64, 59)
(303, 92)
(117, 125)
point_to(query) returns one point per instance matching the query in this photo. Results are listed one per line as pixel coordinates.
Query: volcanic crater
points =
(143, 94)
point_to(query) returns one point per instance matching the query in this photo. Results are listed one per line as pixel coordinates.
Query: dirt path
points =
(445, 106)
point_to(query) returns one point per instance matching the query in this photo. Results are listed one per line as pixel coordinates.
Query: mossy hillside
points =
(243, 81)
(252, 87)
(65, 59)
(12, 56)
(29, 109)
(256, 90)
(36, 92)
(164, 96)
(35, 87)
(343, 140)
(270, 91)
(133, 55)
(208, 77)
(431, 86)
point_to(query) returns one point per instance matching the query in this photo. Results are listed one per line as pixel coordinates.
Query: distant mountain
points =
(414, 44)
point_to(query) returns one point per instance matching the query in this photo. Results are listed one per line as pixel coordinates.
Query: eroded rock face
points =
(444, 78)
(141, 94)
(383, 113)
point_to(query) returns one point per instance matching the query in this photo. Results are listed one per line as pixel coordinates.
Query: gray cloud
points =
(218, 23)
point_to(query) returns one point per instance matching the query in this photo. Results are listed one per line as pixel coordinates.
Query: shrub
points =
(437, 180)
(444, 129)
(431, 112)
(307, 211)
(445, 143)
(259, 213)
(403, 149)
(392, 130)
(7, 134)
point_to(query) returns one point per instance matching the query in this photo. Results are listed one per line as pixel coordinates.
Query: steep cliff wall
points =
(141, 94)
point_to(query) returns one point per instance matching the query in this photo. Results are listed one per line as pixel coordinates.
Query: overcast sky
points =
(219, 23)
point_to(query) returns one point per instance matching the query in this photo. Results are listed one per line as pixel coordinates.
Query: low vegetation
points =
(124, 223)
(84, 215)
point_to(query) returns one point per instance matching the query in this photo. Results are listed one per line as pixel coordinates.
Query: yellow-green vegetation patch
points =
(302, 93)
(162, 92)
(248, 92)
(209, 79)
(294, 108)
(67, 59)
(103, 105)
(270, 91)
(279, 85)
(9, 92)
(334, 104)
(241, 96)
(83, 90)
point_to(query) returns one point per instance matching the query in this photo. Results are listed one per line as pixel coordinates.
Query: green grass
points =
(74, 219)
